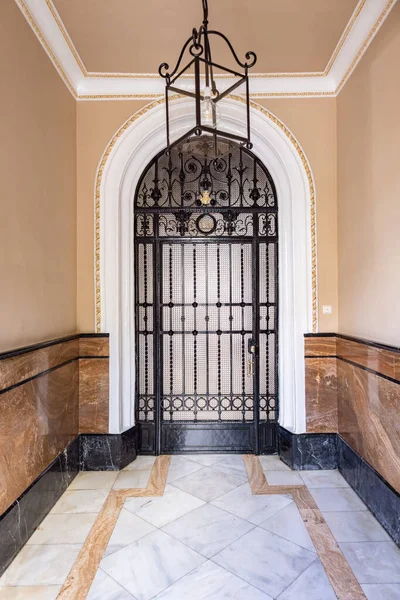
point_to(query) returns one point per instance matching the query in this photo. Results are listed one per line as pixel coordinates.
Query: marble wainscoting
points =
(321, 384)
(25, 514)
(369, 406)
(40, 389)
(381, 499)
(39, 407)
(39, 418)
(93, 384)
(365, 376)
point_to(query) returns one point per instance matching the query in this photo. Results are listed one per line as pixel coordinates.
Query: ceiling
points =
(127, 36)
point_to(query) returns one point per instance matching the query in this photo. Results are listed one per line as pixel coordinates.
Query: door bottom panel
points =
(228, 438)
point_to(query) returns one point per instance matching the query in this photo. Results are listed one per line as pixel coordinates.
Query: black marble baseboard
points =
(381, 499)
(308, 451)
(107, 451)
(19, 522)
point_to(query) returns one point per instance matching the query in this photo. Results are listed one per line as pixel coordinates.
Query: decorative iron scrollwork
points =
(144, 225)
(238, 180)
(196, 224)
(267, 224)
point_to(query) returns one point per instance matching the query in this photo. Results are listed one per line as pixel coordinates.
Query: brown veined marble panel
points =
(93, 346)
(368, 411)
(320, 346)
(93, 395)
(321, 395)
(377, 359)
(17, 368)
(38, 420)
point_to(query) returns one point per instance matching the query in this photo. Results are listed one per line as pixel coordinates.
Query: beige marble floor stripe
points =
(342, 578)
(82, 573)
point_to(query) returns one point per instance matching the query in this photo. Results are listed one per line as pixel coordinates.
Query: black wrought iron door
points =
(206, 304)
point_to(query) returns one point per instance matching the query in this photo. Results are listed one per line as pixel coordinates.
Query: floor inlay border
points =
(82, 573)
(342, 578)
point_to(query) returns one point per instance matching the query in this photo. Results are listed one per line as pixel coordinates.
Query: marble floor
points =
(204, 535)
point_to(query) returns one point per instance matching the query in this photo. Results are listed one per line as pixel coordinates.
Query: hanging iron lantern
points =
(206, 94)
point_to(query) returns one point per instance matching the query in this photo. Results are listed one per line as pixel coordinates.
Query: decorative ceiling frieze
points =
(44, 19)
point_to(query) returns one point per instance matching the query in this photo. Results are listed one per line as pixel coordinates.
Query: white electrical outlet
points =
(327, 309)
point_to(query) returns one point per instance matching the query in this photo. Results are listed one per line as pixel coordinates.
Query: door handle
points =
(251, 348)
(250, 366)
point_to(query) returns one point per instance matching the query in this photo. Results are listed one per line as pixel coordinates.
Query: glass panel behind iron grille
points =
(145, 332)
(206, 325)
(268, 341)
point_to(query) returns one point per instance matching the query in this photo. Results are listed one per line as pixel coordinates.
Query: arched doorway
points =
(206, 301)
(129, 152)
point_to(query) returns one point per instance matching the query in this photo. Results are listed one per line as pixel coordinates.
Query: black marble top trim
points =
(85, 357)
(342, 336)
(93, 335)
(319, 335)
(322, 356)
(28, 379)
(62, 340)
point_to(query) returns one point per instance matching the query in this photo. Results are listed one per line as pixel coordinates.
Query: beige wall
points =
(313, 122)
(369, 191)
(38, 190)
(97, 122)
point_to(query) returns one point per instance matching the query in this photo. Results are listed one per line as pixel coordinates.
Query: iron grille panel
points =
(206, 290)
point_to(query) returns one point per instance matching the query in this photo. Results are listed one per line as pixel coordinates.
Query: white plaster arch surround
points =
(119, 172)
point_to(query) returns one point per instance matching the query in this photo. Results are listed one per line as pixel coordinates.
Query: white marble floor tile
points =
(80, 501)
(373, 562)
(94, 480)
(358, 526)
(313, 584)
(232, 465)
(337, 499)
(265, 560)
(180, 467)
(207, 459)
(63, 529)
(207, 484)
(208, 529)
(150, 565)
(105, 588)
(255, 509)
(132, 479)
(141, 462)
(41, 565)
(273, 463)
(128, 529)
(288, 524)
(323, 479)
(212, 582)
(162, 510)
(49, 592)
(283, 477)
(380, 591)
(111, 549)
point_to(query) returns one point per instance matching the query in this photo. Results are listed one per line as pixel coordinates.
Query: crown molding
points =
(46, 23)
